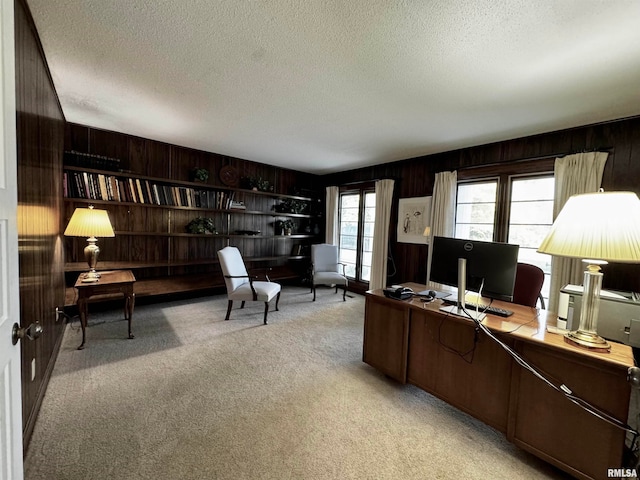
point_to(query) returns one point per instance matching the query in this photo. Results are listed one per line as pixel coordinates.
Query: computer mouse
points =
(432, 293)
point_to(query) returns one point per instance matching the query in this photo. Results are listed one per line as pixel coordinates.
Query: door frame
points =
(11, 450)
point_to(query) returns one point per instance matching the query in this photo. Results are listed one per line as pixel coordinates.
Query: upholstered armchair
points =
(241, 286)
(326, 269)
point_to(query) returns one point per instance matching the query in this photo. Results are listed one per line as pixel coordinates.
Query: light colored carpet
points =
(197, 397)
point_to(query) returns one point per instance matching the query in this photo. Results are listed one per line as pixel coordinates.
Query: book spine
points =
(149, 192)
(139, 190)
(102, 187)
(132, 191)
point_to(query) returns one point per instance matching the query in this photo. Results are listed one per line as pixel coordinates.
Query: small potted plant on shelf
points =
(201, 225)
(257, 184)
(199, 174)
(291, 205)
(285, 226)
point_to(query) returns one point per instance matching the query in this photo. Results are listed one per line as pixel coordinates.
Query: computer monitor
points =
(465, 264)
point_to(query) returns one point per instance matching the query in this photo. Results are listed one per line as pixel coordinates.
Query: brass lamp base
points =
(588, 340)
(91, 253)
(90, 277)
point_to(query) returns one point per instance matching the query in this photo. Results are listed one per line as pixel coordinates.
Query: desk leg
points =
(130, 300)
(83, 312)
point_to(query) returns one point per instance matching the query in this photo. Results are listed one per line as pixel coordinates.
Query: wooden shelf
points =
(156, 234)
(181, 183)
(158, 286)
(166, 286)
(235, 211)
(82, 266)
(212, 235)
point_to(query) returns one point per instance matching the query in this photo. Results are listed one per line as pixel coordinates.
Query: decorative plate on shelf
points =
(229, 176)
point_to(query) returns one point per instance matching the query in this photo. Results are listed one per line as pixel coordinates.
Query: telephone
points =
(398, 292)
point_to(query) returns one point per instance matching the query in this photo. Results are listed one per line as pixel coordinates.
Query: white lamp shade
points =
(597, 226)
(89, 222)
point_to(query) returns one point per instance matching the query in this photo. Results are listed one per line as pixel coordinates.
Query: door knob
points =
(32, 332)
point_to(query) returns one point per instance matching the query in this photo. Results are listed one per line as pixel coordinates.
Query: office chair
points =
(528, 285)
(325, 268)
(241, 286)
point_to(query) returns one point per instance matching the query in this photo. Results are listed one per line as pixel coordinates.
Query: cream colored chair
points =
(241, 286)
(326, 268)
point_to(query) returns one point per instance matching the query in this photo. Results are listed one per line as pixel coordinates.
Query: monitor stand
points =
(466, 313)
(457, 309)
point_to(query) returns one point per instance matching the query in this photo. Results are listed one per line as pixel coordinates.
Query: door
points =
(10, 395)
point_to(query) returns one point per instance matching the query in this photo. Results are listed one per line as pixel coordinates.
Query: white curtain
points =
(384, 199)
(443, 212)
(332, 233)
(574, 174)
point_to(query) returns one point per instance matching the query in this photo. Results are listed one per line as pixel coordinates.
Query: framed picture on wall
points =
(414, 214)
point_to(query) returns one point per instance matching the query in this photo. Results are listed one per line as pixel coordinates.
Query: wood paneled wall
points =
(40, 135)
(165, 161)
(414, 178)
(157, 159)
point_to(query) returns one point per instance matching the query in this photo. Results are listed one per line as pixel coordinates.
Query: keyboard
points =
(501, 312)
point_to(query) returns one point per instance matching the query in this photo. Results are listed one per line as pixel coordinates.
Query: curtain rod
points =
(543, 157)
(360, 182)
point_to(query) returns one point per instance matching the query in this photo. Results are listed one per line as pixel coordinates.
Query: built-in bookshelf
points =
(94, 185)
(151, 215)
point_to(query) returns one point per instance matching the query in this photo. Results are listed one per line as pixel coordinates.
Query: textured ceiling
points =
(324, 86)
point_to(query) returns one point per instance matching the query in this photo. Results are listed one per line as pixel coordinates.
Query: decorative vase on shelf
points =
(285, 226)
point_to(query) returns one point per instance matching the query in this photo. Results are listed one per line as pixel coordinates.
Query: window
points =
(509, 208)
(357, 212)
(476, 210)
(530, 219)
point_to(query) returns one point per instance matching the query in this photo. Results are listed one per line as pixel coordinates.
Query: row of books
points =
(97, 186)
(87, 160)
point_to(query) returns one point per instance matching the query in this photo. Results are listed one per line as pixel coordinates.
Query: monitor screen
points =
(493, 262)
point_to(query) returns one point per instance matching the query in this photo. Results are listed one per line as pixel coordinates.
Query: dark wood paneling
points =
(157, 159)
(40, 136)
(414, 178)
(150, 235)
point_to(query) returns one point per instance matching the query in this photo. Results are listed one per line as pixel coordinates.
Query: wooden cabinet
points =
(150, 217)
(546, 423)
(386, 336)
(447, 356)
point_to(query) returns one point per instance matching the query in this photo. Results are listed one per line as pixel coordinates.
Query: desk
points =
(442, 354)
(112, 282)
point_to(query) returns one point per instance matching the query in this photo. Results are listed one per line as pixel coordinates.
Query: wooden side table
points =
(116, 281)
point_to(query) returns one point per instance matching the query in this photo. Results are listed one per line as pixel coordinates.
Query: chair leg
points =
(336, 288)
(314, 293)
(277, 300)
(230, 304)
(344, 294)
(266, 310)
(242, 304)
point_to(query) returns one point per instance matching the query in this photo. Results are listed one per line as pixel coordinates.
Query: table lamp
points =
(91, 223)
(598, 228)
